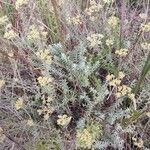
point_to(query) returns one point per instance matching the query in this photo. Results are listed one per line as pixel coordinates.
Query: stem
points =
(144, 72)
(61, 34)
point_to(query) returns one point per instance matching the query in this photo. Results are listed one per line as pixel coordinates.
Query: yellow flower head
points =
(121, 75)
(115, 82)
(112, 80)
(108, 1)
(46, 108)
(110, 77)
(145, 27)
(109, 42)
(84, 138)
(122, 52)
(36, 33)
(143, 16)
(74, 20)
(30, 122)
(10, 35)
(63, 120)
(148, 114)
(94, 8)
(45, 56)
(145, 45)
(113, 21)
(20, 3)
(138, 142)
(95, 39)
(19, 104)
(44, 81)
(118, 94)
(4, 20)
(2, 136)
(131, 96)
(2, 83)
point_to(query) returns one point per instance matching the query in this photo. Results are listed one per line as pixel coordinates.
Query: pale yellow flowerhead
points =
(84, 138)
(145, 27)
(10, 34)
(20, 3)
(148, 114)
(143, 15)
(36, 33)
(30, 122)
(138, 142)
(113, 21)
(45, 56)
(44, 81)
(63, 120)
(122, 52)
(145, 45)
(46, 109)
(2, 136)
(2, 83)
(19, 104)
(4, 20)
(108, 1)
(121, 75)
(95, 39)
(76, 20)
(109, 42)
(94, 8)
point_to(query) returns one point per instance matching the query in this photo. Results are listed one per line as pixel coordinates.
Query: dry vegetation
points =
(74, 74)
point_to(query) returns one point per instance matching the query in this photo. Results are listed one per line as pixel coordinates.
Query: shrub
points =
(74, 75)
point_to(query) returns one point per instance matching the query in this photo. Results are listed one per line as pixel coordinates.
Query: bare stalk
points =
(60, 31)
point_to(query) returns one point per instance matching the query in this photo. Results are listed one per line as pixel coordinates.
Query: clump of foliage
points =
(74, 74)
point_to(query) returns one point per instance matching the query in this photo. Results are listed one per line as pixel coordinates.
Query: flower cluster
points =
(63, 120)
(74, 20)
(4, 20)
(109, 42)
(10, 35)
(46, 110)
(88, 135)
(84, 138)
(94, 8)
(108, 1)
(143, 16)
(122, 52)
(19, 104)
(2, 136)
(95, 39)
(145, 45)
(44, 81)
(148, 114)
(2, 83)
(145, 27)
(113, 21)
(36, 33)
(30, 122)
(113, 81)
(45, 56)
(20, 3)
(138, 142)
(121, 90)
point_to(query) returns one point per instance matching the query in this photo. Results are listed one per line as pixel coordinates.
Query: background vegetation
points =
(74, 74)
